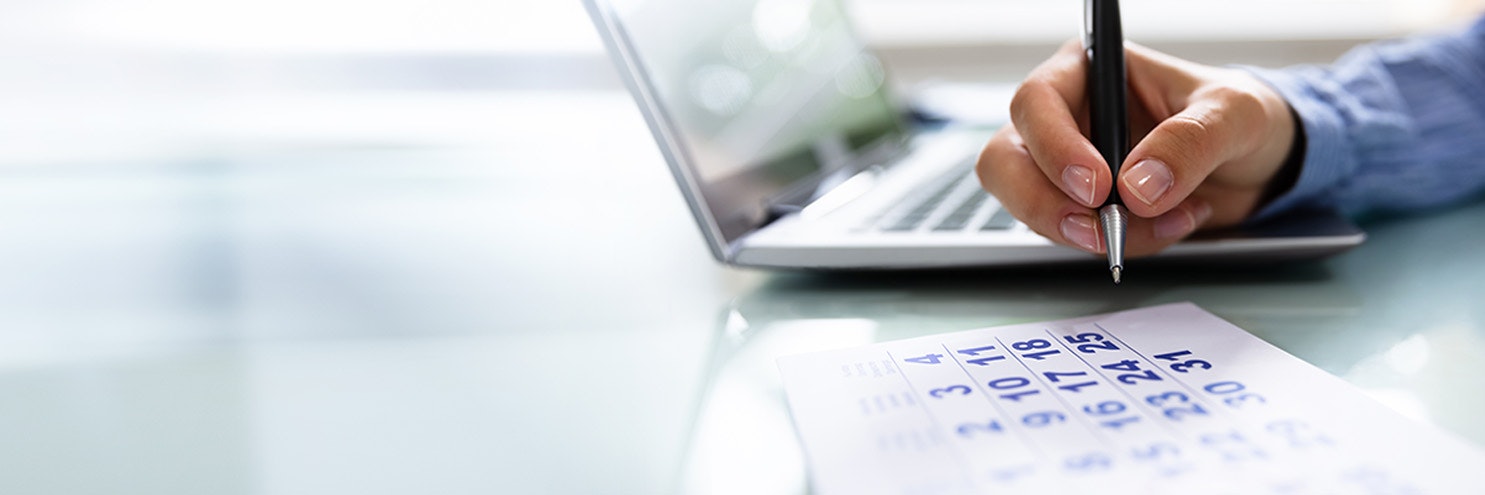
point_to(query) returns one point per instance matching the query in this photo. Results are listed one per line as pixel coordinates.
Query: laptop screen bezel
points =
(748, 214)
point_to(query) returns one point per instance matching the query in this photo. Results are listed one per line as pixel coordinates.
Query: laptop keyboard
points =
(955, 203)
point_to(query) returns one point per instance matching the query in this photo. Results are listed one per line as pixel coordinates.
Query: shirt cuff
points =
(1329, 158)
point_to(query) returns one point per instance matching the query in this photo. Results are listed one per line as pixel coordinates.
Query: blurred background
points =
(149, 78)
(385, 246)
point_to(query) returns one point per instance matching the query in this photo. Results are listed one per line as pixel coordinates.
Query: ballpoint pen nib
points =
(1116, 271)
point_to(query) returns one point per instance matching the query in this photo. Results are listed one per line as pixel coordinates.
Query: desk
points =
(531, 309)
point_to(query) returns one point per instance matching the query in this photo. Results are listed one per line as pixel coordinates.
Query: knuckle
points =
(1002, 148)
(1025, 98)
(1190, 138)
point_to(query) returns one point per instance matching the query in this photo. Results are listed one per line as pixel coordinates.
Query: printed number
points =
(969, 429)
(1088, 462)
(977, 350)
(1130, 378)
(1110, 408)
(1034, 344)
(1155, 451)
(1056, 377)
(1182, 405)
(1012, 383)
(1183, 366)
(983, 361)
(1299, 434)
(925, 359)
(1090, 348)
(1232, 446)
(1040, 419)
(1234, 392)
(1083, 337)
(939, 393)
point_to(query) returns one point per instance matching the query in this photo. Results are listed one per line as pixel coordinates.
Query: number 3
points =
(1186, 366)
(939, 393)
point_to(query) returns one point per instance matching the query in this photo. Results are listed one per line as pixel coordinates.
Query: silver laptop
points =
(784, 137)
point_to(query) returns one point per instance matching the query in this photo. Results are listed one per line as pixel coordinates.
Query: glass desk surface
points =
(521, 315)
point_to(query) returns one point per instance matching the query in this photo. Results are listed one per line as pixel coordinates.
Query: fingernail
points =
(1079, 230)
(1078, 180)
(1182, 221)
(1149, 180)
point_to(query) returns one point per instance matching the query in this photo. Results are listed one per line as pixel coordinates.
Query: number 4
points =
(925, 359)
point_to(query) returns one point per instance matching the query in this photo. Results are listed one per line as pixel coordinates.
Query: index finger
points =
(1044, 112)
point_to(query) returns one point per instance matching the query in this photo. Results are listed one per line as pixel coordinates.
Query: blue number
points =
(977, 350)
(1073, 387)
(1158, 400)
(1009, 383)
(1156, 451)
(1171, 356)
(1013, 382)
(1238, 400)
(925, 359)
(984, 360)
(1175, 412)
(1129, 378)
(1091, 348)
(1226, 387)
(1017, 396)
(1232, 446)
(1231, 387)
(1299, 434)
(968, 429)
(1088, 462)
(1185, 366)
(1056, 376)
(1082, 337)
(1117, 423)
(1125, 365)
(1105, 407)
(1034, 344)
(939, 393)
(1042, 354)
(1040, 419)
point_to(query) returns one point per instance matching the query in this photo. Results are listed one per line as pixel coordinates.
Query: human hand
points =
(1208, 142)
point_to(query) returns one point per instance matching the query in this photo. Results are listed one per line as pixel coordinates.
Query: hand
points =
(1208, 142)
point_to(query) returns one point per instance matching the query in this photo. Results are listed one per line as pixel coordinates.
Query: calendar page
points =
(1166, 399)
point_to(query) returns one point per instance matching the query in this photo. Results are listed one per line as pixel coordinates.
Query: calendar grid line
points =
(1182, 383)
(998, 409)
(1096, 434)
(928, 411)
(1176, 435)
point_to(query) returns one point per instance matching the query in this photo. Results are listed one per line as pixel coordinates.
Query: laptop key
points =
(920, 211)
(961, 215)
(1001, 220)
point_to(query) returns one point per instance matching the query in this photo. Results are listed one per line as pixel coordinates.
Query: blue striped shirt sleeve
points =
(1391, 126)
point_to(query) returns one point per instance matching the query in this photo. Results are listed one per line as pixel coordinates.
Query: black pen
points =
(1103, 43)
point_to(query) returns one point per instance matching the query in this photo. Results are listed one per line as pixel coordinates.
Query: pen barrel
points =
(1107, 84)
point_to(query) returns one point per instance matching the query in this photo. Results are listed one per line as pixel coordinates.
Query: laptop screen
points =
(761, 95)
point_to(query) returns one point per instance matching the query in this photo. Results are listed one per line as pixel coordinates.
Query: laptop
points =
(786, 141)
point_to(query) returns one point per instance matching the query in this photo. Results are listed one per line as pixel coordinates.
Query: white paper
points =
(1166, 399)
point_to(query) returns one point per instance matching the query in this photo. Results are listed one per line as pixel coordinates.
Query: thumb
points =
(1184, 149)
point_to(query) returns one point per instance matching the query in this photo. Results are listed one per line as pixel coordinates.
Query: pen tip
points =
(1115, 271)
